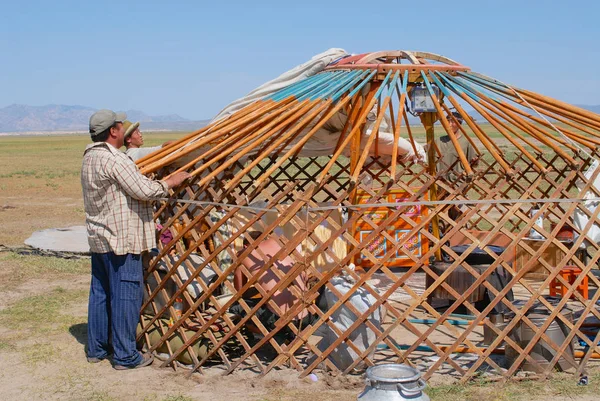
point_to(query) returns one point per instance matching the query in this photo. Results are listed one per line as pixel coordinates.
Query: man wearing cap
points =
(449, 161)
(134, 141)
(449, 154)
(118, 213)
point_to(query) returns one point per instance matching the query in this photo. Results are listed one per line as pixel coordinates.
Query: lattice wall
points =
(401, 292)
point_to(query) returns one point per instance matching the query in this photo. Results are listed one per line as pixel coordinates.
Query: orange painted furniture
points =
(569, 273)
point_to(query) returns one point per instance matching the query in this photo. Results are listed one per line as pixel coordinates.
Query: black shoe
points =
(147, 360)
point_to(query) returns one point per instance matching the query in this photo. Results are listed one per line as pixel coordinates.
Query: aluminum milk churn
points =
(393, 382)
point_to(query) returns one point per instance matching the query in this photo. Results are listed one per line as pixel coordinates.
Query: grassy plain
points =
(43, 303)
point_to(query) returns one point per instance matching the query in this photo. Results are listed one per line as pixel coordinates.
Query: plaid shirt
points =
(117, 201)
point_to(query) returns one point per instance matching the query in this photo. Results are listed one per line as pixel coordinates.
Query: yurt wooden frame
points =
(255, 154)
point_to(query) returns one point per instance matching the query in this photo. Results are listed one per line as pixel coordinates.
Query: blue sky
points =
(194, 57)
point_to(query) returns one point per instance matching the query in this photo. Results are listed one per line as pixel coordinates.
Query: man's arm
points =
(140, 187)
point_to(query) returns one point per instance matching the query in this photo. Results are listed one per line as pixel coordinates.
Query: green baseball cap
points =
(103, 119)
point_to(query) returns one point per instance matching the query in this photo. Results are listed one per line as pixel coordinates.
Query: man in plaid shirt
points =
(118, 212)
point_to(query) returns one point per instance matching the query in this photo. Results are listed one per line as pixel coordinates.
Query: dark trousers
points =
(116, 296)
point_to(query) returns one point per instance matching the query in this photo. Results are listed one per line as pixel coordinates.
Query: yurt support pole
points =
(308, 135)
(342, 336)
(238, 140)
(351, 120)
(481, 279)
(381, 299)
(517, 276)
(489, 145)
(428, 119)
(531, 129)
(375, 128)
(440, 279)
(561, 119)
(508, 128)
(580, 139)
(522, 96)
(341, 103)
(251, 120)
(529, 102)
(409, 130)
(585, 114)
(147, 160)
(505, 95)
(402, 89)
(446, 125)
(472, 97)
(493, 121)
(218, 282)
(355, 134)
(356, 128)
(462, 129)
(229, 126)
(303, 112)
(326, 277)
(202, 238)
(292, 210)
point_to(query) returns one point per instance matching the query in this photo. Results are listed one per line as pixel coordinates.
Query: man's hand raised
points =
(177, 178)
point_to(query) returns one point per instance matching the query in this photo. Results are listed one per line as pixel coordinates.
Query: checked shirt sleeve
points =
(135, 184)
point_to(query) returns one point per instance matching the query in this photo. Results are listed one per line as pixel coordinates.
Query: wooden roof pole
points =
(305, 88)
(514, 95)
(144, 161)
(504, 94)
(428, 119)
(566, 106)
(542, 137)
(461, 128)
(409, 130)
(402, 90)
(320, 106)
(368, 105)
(362, 80)
(499, 126)
(447, 128)
(365, 153)
(238, 140)
(581, 139)
(558, 118)
(489, 145)
(497, 123)
(527, 127)
(231, 125)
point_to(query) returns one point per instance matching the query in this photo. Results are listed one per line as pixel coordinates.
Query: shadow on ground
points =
(79, 331)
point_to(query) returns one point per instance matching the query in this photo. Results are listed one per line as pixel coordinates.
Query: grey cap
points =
(101, 120)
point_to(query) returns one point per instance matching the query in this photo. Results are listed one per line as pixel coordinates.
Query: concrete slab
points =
(69, 239)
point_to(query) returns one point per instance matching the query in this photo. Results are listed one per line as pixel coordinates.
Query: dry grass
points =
(43, 302)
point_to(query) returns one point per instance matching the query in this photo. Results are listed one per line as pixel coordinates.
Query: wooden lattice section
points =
(267, 258)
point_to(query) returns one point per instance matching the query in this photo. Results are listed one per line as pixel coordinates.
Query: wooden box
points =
(417, 245)
(552, 254)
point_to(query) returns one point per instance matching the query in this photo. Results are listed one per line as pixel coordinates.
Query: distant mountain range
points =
(19, 118)
(57, 117)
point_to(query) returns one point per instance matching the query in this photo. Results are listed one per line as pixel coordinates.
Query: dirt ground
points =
(43, 311)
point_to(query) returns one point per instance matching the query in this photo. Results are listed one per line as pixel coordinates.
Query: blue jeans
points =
(116, 295)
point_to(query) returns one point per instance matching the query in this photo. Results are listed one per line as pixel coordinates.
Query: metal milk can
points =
(393, 382)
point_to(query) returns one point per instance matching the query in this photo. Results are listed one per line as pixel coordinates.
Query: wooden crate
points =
(417, 245)
(551, 254)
